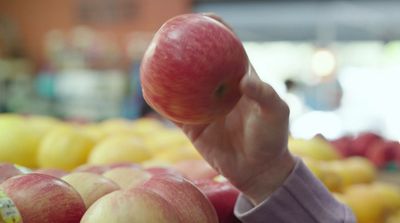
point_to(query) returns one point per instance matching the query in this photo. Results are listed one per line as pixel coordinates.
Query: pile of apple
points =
(381, 151)
(352, 180)
(45, 144)
(114, 193)
(133, 171)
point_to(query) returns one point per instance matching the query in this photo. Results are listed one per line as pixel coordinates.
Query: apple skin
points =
(89, 168)
(192, 69)
(8, 170)
(52, 172)
(195, 169)
(382, 152)
(100, 169)
(191, 204)
(126, 177)
(397, 155)
(162, 171)
(125, 165)
(343, 145)
(223, 196)
(42, 198)
(128, 206)
(363, 141)
(90, 186)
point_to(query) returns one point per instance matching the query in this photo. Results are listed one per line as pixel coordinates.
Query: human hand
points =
(249, 145)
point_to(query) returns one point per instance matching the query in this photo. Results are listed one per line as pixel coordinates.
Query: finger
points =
(262, 93)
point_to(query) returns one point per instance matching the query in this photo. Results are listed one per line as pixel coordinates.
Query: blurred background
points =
(336, 63)
(71, 69)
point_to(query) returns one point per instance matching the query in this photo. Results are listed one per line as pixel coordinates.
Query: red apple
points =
(191, 70)
(90, 186)
(162, 171)
(42, 198)
(363, 141)
(8, 170)
(99, 169)
(127, 165)
(223, 196)
(195, 169)
(343, 145)
(381, 152)
(127, 177)
(52, 172)
(190, 203)
(128, 206)
(397, 155)
(392, 147)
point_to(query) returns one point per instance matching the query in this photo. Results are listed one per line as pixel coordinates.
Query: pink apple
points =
(195, 169)
(344, 145)
(8, 170)
(396, 151)
(128, 206)
(381, 152)
(363, 141)
(190, 203)
(52, 172)
(223, 196)
(126, 177)
(127, 165)
(42, 198)
(162, 171)
(191, 70)
(90, 186)
(99, 169)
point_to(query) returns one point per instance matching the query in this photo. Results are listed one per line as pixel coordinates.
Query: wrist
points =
(269, 180)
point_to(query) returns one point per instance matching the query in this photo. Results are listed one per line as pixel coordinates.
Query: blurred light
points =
(316, 122)
(323, 62)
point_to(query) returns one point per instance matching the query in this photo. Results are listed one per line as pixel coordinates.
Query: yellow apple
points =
(118, 149)
(315, 148)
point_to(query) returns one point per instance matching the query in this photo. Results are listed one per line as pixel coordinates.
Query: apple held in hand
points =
(191, 70)
(42, 198)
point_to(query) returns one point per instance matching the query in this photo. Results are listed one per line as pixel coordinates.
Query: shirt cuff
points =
(302, 198)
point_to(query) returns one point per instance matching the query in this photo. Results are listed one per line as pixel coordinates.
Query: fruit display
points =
(90, 186)
(145, 163)
(42, 198)
(384, 153)
(88, 166)
(352, 179)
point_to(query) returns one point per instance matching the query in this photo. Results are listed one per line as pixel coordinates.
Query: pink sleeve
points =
(301, 199)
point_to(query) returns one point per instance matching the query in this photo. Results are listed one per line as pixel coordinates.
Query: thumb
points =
(262, 93)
